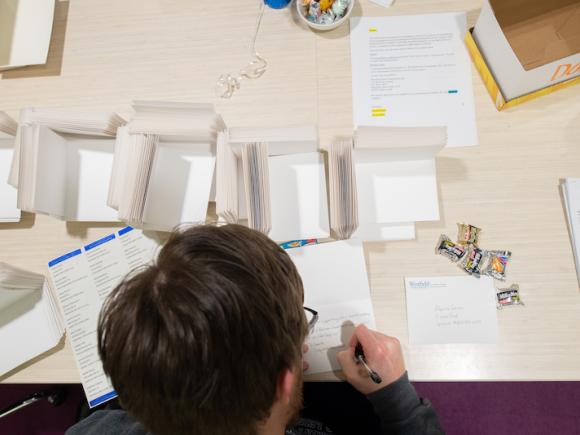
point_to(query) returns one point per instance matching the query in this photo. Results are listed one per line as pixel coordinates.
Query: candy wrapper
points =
(497, 264)
(468, 234)
(325, 5)
(314, 11)
(470, 257)
(324, 11)
(298, 243)
(474, 261)
(327, 17)
(339, 7)
(508, 297)
(449, 249)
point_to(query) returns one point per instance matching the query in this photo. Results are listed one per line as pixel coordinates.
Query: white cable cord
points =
(227, 84)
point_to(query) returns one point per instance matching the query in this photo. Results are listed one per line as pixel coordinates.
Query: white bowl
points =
(324, 27)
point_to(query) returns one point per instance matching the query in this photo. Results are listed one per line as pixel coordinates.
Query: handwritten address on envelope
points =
(454, 309)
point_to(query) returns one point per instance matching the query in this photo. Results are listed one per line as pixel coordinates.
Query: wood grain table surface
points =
(106, 53)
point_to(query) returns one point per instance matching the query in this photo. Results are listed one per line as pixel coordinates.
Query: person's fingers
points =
(354, 340)
(366, 338)
(304, 348)
(305, 365)
(354, 373)
(346, 360)
(377, 335)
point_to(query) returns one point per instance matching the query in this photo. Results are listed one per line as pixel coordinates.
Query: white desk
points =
(105, 53)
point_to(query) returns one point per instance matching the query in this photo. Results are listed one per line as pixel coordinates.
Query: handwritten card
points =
(454, 309)
(336, 285)
(333, 332)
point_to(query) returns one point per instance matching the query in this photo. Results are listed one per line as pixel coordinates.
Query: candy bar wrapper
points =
(325, 5)
(474, 261)
(468, 234)
(497, 264)
(339, 7)
(298, 243)
(509, 297)
(447, 248)
(324, 11)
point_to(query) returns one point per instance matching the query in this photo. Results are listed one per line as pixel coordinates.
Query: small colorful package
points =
(448, 248)
(497, 264)
(298, 243)
(468, 234)
(507, 297)
(324, 11)
(474, 261)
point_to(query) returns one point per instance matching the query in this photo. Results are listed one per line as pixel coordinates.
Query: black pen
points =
(360, 357)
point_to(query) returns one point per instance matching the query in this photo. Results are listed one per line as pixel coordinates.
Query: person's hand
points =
(304, 363)
(383, 355)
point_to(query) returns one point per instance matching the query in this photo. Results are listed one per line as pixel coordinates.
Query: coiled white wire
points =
(227, 84)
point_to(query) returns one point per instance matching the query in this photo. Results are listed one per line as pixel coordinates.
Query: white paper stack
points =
(164, 164)
(571, 193)
(25, 30)
(30, 320)
(62, 163)
(336, 286)
(385, 183)
(273, 180)
(9, 212)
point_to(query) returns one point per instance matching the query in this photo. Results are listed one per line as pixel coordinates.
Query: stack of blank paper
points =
(276, 173)
(25, 30)
(571, 193)
(97, 124)
(30, 320)
(9, 212)
(386, 183)
(64, 162)
(164, 165)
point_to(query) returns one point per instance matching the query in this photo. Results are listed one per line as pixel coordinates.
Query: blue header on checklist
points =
(64, 257)
(99, 242)
(125, 230)
(102, 399)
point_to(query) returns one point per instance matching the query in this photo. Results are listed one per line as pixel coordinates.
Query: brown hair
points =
(195, 343)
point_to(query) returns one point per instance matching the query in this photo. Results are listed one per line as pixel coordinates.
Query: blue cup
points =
(277, 4)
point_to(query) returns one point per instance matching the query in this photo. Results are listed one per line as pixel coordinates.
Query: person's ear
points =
(286, 382)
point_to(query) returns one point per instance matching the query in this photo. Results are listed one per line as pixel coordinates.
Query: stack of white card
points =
(62, 163)
(342, 189)
(164, 164)
(9, 212)
(273, 180)
(25, 30)
(30, 320)
(571, 193)
(386, 183)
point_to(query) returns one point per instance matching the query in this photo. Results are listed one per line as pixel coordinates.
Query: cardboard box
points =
(526, 48)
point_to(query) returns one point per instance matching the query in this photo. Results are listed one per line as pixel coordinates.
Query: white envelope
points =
(455, 309)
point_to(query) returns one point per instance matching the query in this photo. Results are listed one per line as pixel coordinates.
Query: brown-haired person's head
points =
(208, 339)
